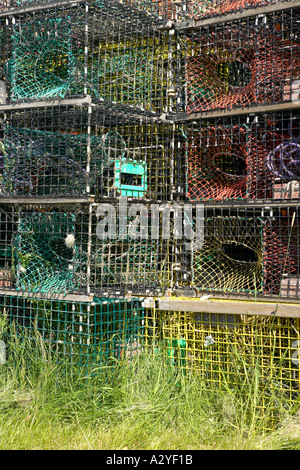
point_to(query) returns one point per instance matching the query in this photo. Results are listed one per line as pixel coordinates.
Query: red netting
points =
(281, 256)
(202, 8)
(239, 67)
(260, 180)
(217, 166)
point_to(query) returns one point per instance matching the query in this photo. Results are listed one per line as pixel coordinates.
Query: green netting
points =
(45, 254)
(42, 61)
(52, 58)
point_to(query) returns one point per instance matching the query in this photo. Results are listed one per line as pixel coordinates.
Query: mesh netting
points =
(73, 52)
(239, 66)
(217, 163)
(128, 264)
(281, 255)
(231, 257)
(261, 144)
(198, 9)
(55, 163)
(42, 61)
(45, 253)
(221, 72)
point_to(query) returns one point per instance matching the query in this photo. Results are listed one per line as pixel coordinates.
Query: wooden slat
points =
(51, 296)
(230, 307)
(182, 117)
(45, 200)
(45, 104)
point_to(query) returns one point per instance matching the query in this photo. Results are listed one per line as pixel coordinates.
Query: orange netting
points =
(260, 143)
(217, 166)
(239, 67)
(198, 9)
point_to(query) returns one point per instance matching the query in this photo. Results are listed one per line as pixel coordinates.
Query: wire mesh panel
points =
(254, 61)
(86, 49)
(103, 248)
(129, 253)
(229, 256)
(231, 350)
(48, 254)
(84, 335)
(281, 253)
(273, 156)
(143, 11)
(69, 151)
(246, 157)
(8, 226)
(144, 161)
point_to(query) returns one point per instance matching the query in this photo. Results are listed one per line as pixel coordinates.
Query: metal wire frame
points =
(83, 49)
(229, 258)
(84, 335)
(281, 253)
(244, 251)
(83, 249)
(241, 63)
(138, 11)
(227, 350)
(243, 158)
(78, 151)
(145, 249)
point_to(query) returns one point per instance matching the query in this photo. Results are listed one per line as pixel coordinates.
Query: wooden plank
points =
(45, 200)
(246, 13)
(51, 296)
(288, 106)
(287, 310)
(45, 104)
(43, 6)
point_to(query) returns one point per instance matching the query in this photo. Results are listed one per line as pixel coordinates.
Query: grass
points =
(140, 405)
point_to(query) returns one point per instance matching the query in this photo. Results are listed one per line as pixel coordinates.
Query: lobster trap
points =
(217, 166)
(273, 156)
(249, 62)
(227, 350)
(103, 249)
(231, 258)
(84, 335)
(73, 151)
(86, 49)
(245, 157)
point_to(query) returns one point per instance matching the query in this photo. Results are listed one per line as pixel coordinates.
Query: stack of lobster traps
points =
(150, 179)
